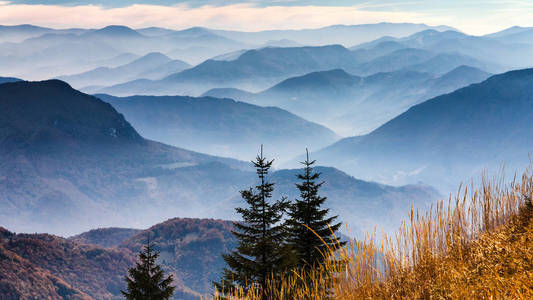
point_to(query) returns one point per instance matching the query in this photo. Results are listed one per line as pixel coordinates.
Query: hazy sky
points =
(470, 16)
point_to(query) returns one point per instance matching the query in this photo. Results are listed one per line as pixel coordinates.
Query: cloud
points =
(237, 16)
(470, 18)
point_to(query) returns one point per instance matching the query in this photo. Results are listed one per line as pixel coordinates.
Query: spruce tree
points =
(259, 255)
(309, 226)
(146, 280)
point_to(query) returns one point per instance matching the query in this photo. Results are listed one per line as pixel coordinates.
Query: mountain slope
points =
(57, 52)
(355, 105)
(149, 66)
(55, 268)
(190, 248)
(361, 205)
(495, 55)
(8, 79)
(19, 33)
(105, 237)
(449, 137)
(221, 126)
(252, 70)
(347, 35)
(71, 158)
(514, 34)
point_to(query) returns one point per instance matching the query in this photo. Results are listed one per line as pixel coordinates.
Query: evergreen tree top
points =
(146, 281)
(311, 230)
(261, 234)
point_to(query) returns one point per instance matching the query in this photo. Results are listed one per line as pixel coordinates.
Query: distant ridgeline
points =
(72, 159)
(447, 138)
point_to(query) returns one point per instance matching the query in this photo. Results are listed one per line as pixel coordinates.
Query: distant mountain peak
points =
(116, 30)
(197, 29)
(462, 69)
(152, 56)
(55, 83)
(333, 77)
(52, 113)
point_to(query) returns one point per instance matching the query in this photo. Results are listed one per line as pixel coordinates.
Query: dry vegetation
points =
(477, 245)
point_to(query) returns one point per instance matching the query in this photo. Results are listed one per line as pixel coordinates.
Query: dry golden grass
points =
(478, 245)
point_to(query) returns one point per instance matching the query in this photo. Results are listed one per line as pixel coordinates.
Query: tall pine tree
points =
(260, 253)
(146, 280)
(309, 226)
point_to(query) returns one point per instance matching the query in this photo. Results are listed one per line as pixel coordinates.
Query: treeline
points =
(277, 236)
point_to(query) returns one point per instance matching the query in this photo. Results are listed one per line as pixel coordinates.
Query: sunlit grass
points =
(476, 245)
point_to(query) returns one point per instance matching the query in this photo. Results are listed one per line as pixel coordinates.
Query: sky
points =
(470, 16)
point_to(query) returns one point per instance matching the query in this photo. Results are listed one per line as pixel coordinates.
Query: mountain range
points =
(253, 70)
(37, 266)
(495, 53)
(53, 54)
(250, 61)
(153, 65)
(352, 104)
(448, 138)
(43, 265)
(73, 159)
(221, 127)
(34, 52)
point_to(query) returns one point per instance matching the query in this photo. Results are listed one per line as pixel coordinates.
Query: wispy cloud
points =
(470, 16)
(237, 16)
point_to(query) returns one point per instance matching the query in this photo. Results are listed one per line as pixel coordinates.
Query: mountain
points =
(429, 51)
(459, 77)
(197, 44)
(43, 265)
(151, 66)
(221, 126)
(384, 47)
(19, 33)
(497, 55)
(252, 70)
(105, 237)
(57, 52)
(355, 105)
(447, 138)
(346, 35)
(72, 159)
(360, 204)
(522, 35)
(37, 266)
(8, 79)
(113, 32)
(190, 248)
(399, 59)
(508, 31)
(421, 60)
(155, 31)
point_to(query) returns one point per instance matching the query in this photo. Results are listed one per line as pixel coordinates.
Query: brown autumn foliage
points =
(190, 249)
(477, 246)
(42, 266)
(105, 237)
